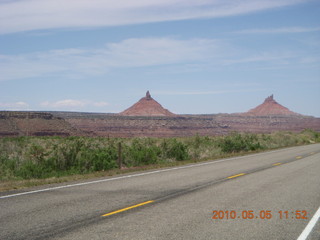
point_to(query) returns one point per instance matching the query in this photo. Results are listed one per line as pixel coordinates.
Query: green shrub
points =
(41, 157)
(174, 149)
(103, 159)
(141, 152)
(7, 167)
(28, 170)
(237, 142)
(38, 153)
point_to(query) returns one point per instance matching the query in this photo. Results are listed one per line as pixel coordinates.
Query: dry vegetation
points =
(29, 161)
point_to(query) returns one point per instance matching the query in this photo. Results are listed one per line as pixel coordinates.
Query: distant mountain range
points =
(148, 118)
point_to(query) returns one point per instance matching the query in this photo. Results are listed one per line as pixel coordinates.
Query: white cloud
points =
(14, 105)
(100, 104)
(65, 103)
(26, 66)
(135, 52)
(27, 15)
(157, 51)
(309, 60)
(186, 55)
(205, 92)
(275, 57)
(279, 30)
(73, 104)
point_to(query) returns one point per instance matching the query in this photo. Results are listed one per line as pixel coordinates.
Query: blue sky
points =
(195, 56)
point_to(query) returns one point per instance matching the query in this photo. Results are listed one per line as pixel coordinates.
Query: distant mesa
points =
(271, 107)
(147, 106)
(150, 119)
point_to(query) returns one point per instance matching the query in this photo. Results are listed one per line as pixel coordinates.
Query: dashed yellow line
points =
(276, 164)
(238, 175)
(151, 201)
(127, 208)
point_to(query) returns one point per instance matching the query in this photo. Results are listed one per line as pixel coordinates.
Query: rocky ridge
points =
(35, 124)
(147, 118)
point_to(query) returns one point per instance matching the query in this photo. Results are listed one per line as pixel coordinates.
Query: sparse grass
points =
(32, 161)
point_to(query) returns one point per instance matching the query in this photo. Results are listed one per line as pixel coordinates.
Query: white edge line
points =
(310, 226)
(137, 175)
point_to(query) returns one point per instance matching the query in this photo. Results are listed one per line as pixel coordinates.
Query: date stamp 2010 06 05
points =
(262, 214)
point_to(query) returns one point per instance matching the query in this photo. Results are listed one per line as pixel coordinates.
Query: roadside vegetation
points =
(24, 158)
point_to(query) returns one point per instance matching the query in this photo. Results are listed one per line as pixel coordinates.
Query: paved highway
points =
(272, 195)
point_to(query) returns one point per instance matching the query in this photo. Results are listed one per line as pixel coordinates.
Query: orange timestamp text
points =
(262, 214)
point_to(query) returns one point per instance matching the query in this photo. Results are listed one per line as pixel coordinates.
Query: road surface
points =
(271, 195)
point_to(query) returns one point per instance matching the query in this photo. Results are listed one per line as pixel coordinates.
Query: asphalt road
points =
(177, 203)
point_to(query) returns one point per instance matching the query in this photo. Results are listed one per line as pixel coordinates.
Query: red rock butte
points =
(147, 106)
(271, 107)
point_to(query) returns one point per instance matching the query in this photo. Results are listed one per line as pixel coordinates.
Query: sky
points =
(194, 56)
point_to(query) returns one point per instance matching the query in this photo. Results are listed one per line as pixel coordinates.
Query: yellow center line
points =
(276, 164)
(299, 157)
(127, 208)
(238, 175)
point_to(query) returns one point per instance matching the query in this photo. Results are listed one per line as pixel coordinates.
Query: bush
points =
(237, 142)
(103, 159)
(174, 149)
(28, 170)
(7, 167)
(141, 152)
(38, 153)
(48, 157)
(40, 157)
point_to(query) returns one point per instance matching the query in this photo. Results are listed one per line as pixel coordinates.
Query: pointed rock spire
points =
(270, 107)
(269, 99)
(148, 96)
(147, 106)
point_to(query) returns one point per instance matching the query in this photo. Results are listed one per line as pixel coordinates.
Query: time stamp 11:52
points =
(262, 214)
